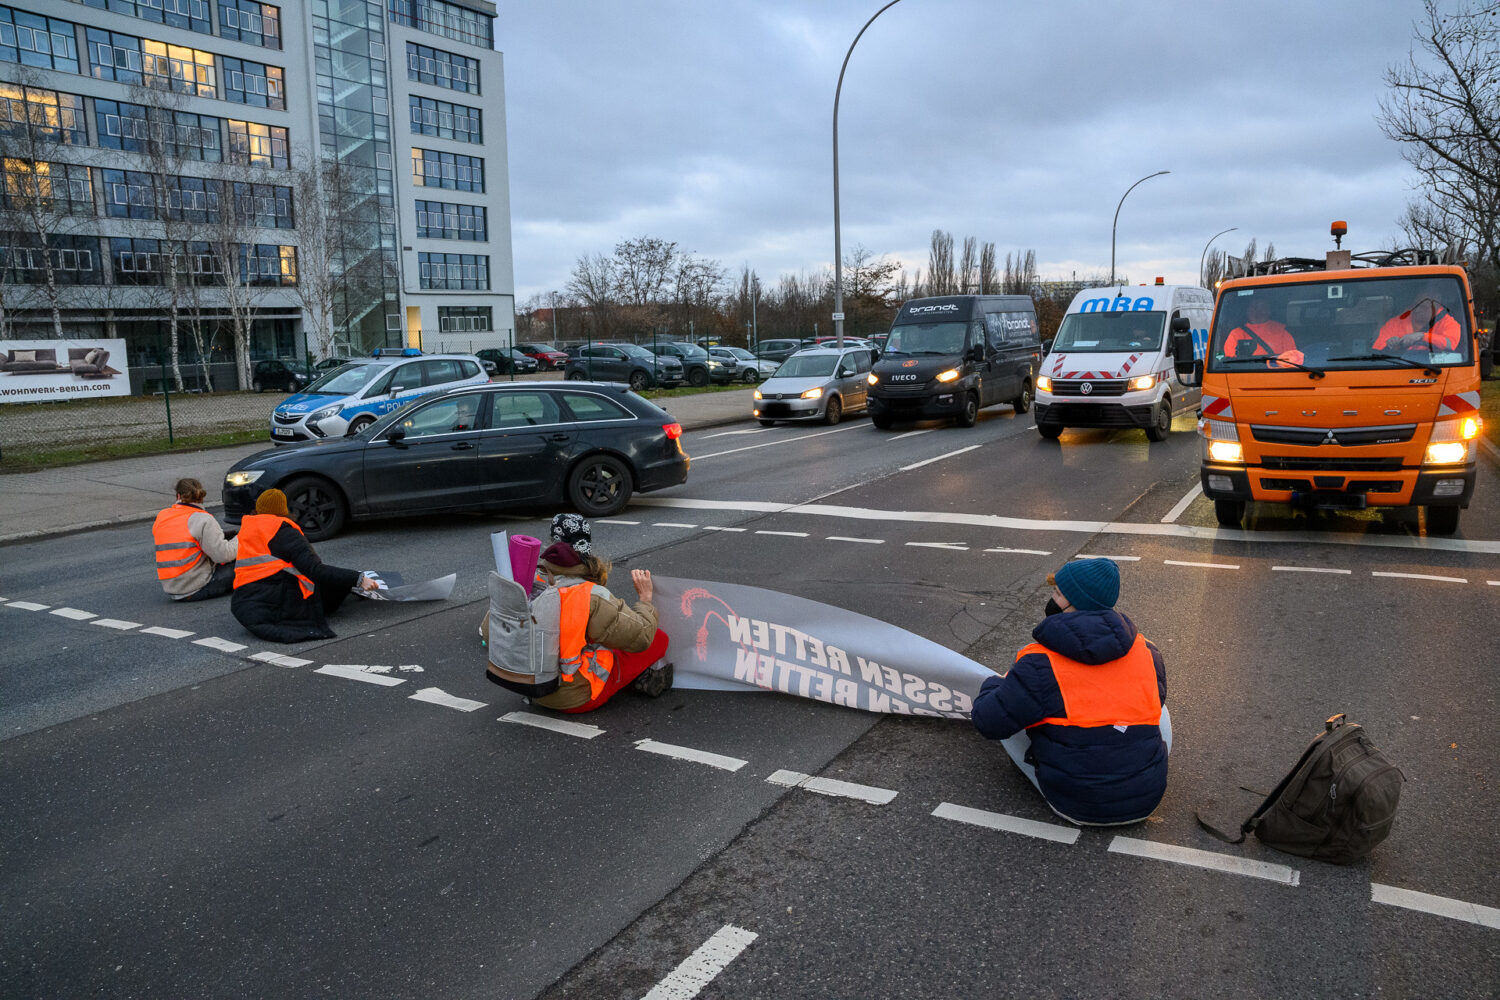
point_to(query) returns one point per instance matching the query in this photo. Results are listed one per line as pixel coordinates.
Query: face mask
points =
(1053, 608)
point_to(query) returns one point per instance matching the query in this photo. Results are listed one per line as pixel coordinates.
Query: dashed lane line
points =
(938, 458)
(582, 730)
(786, 534)
(1441, 906)
(73, 614)
(118, 624)
(1421, 576)
(1199, 565)
(353, 672)
(1090, 555)
(1205, 859)
(911, 434)
(1020, 552)
(768, 444)
(718, 760)
(279, 659)
(671, 524)
(1183, 504)
(1310, 569)
(832, 786)
(437, 696)
(705, 963)
(28, 605)
(222, 645)
(1009, 824)
(166, 633)
(715, 527)
(951, 546)
(864, 541)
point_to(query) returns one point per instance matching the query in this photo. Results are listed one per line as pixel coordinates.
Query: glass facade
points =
(446, 120)
(189, 14)
(34, 40)
(465, 319)
(454, 171)
(252, 23)
(443, 220)
(46, 115)
(441, 68)
(446, 19)
(454, 271)
(64, 188)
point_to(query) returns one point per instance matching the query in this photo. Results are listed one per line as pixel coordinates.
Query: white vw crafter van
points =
(1110, 364)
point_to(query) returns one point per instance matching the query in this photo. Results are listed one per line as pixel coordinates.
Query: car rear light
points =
(674, 431)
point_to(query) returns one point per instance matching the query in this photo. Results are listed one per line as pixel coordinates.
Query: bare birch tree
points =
(941, 279)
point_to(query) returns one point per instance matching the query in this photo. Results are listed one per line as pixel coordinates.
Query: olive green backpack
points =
(1336, 804)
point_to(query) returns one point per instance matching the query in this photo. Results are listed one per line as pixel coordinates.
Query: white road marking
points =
(1182, 505)
(1493, 583)
(1205, 859)
(580, 729)
(846, 538)
(1421, 576)
(1022, 552)
(954, 546)
(1010, 824)
(788, 534)
(28, 606)
(999, 521)
(116, 623)
(912, 434)
(166, 633)
(1199, 565)
(710, 437)
(279, 659)
(1086, 555)
(767, 444)
(699, 969)
(688, 753)
(937, 458)
(437, 696)
(1309, 569)
(73, 613)
(672, 524)
(1441, 906)
(715, 527)
(617, 520)
(352, 672)
(832, 786)
(214, 642)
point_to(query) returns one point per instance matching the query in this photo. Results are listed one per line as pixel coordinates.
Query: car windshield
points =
(1363, 323)
(927, 338)
(807, 366)
(735, 352)
(692, 351)
(1110, 332)
(636, 351)
(345, 380)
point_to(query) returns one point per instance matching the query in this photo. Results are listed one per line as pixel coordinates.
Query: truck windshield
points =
(1365, 323)
(1110, 332)
(927, 338)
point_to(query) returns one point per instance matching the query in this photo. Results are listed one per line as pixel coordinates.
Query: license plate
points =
(282, 432)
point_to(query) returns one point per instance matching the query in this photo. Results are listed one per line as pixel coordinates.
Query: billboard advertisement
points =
(35, 371)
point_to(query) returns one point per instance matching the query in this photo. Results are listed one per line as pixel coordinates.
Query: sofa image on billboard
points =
(85, 362)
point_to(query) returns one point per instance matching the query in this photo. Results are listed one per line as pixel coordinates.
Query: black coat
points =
(274, 608)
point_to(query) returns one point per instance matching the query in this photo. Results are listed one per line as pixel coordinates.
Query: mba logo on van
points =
(1119, 304)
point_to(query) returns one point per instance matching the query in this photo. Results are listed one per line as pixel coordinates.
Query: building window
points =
(268, 206)
(268, 264)
(465, 319)
(179, 68)
(135, 261)
(33, 40)
(113, 56)
(193, 137)
(442, 220)
(445, 120)
(191, 199)
(442, 69)
(455, 171)
(61, 188)
(128, 194)
(456, 271)
(189, 14)
(258, 145)
(446, 19)
(48, 114)
(255, 23)
(75, 259)
(247, 82)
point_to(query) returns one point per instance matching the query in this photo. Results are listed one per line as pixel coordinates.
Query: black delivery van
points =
(952, 355)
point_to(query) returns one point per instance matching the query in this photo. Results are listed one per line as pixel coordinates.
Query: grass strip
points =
(34, 461)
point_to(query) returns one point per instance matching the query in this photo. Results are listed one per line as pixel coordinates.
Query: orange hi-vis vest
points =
(573, 651)
(255, 561)
(177, 551)
(1121, 692)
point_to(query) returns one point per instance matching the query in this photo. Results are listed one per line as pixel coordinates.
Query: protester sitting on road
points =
(282, 591)
(194, 561)
(1082, 712)
(1262, 336)
(1427, 325)
(605, 642)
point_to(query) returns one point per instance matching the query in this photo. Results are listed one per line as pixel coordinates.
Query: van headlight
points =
(948, 376)
(1044, 383)
(1143, 382)
(244, 478)
(816, 392)
(1226, 451)
(872, 378)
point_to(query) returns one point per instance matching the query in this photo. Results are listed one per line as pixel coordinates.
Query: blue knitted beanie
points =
(1089, 584)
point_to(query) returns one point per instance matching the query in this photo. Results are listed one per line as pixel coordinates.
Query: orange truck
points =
(1345, 383)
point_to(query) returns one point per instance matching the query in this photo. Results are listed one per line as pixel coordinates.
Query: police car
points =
(351, 397)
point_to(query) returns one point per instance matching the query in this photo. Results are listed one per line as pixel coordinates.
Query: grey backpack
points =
(1336, 804)
(523, 638)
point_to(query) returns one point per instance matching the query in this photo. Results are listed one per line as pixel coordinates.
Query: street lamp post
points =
(1116, 223)
(838, 251)
(1203, 257)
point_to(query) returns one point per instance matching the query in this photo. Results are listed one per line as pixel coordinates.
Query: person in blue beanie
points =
(1082, 711)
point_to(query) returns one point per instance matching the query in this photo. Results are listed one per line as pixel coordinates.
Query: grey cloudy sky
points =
(708, 122)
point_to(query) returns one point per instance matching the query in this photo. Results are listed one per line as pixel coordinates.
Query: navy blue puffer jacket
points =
(1093, 774)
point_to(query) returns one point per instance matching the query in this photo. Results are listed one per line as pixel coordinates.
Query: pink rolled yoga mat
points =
(524, 553)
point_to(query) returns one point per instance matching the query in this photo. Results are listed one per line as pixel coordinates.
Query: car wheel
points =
(1048, 430)
(881, 421)
(317, 506)
(969, 415)
(1161, 423)
(768, 423)
(1229, 513)
(1442, 520)
(748, 375)
(599, 486)
(698, 378)
(639, 380)
(833, 412)
(574, 376)
(1022, 403)
(359, 425)
(258, 385)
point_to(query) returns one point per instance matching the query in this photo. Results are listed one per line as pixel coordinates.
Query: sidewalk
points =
(75, 498)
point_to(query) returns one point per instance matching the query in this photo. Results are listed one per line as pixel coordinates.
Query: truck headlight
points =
(948, 376)
(1226, 451)
(1446, 453)
(816, 392)
(1044, 383)
(1143, 382)
(872, 379)
(244, 478)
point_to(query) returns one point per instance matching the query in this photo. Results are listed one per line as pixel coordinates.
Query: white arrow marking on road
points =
(937, 458)
(279, 659)
(166, 633)
(1205, 859)
(28, 606)
(699, 969)
(437, 696)
(688, 753)
(73, 613)
(354, 672)
(116, 623)
(214, 642)
(832, 786)
(1009, 824)
(1441, 906)
(580, 729)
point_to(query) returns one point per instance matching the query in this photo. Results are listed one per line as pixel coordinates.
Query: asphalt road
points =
(182, 821)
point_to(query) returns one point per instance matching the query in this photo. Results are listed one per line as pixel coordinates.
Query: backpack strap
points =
(1220, 834)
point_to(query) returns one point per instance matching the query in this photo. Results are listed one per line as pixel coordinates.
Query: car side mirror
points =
(975, 353)
(396, 437)
(1180, 324)
(845, 372)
